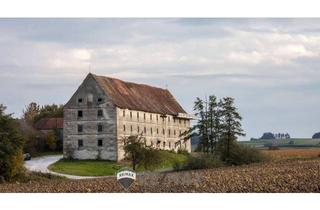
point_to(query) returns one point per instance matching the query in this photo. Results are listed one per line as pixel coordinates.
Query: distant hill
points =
(316, 135)
(269, 135)
(292, 142)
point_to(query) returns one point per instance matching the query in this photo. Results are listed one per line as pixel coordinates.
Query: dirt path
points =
(41, 164)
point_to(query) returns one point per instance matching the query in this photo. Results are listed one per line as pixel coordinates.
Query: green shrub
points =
(243, 154)
(183, 152)
(11, 146)
(204, 161)
(151, 159)
(165, 160)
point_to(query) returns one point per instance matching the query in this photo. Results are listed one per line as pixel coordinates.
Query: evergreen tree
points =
(208, 126)
(214, 122)
(230, 128)
(202, 125)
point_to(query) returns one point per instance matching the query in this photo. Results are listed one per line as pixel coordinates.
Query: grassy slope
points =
(86, 167)
(168, 160)
(105, 168)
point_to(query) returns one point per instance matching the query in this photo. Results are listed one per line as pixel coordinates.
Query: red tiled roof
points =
(49, 123)
(128, 95)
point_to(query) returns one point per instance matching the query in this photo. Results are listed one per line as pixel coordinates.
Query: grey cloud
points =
(45, 60)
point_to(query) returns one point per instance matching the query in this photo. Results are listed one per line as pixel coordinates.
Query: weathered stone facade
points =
(94, 126)
(160, 131)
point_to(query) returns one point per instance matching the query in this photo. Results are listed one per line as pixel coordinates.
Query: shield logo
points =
(126, 177)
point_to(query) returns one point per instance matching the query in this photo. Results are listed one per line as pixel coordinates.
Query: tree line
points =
(218, 125)
(34, 112)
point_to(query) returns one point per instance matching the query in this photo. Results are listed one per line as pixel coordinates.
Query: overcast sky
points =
(270, 66)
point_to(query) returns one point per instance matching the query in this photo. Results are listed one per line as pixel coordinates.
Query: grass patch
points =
(107, 168)
(86, 167)
(168, 160)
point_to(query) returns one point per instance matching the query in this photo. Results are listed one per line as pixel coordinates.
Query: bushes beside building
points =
(11, 146)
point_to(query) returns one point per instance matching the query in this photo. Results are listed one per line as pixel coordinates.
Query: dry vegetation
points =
(293, 153)
(294, 170)
(284, 176)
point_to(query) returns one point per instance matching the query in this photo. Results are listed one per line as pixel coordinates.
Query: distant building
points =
(104, 110)
(53, 124)
(46, 124)
(50, 124)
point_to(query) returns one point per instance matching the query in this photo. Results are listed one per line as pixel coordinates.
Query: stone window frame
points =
(80, 143)
(80, 114)
(100, 113)
(100, 143)
(99, 127)
(80, 128)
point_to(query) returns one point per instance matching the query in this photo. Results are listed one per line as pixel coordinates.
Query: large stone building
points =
(103, 110)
